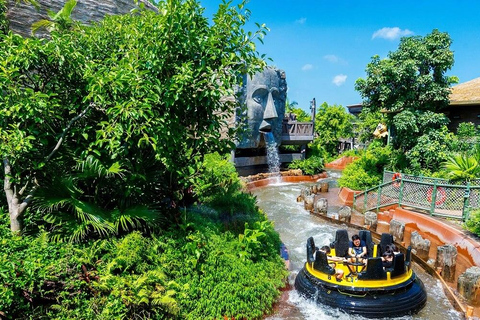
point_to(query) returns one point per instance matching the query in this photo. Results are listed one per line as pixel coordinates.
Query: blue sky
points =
(324, 46)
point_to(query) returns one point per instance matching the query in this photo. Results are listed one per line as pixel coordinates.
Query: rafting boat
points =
(366, 289)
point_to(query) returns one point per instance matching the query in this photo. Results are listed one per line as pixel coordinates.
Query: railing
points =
(294, 128)
(433, 196)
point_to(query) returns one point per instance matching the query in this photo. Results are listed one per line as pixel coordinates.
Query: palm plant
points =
(93, 201)
(463, 166)
(58, 21)
(292, 107)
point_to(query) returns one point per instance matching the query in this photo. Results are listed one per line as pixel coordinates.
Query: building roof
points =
(466, 93)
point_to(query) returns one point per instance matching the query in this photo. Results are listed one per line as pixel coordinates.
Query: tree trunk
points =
(16, 207)
(16, 223)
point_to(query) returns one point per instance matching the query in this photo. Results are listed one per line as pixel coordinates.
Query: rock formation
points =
(21, 15)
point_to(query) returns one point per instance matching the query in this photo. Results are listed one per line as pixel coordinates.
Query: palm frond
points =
(92, 166)
(41, 24)
(136, 217)
(66, 11)
(462, 167)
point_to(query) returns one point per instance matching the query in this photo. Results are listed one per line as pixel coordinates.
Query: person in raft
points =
(338, 272)
(357, 250)
(387, 259)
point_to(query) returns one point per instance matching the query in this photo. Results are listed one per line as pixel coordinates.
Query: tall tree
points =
(331, 123)
(142, 94)
(410, 87)
(301, 115)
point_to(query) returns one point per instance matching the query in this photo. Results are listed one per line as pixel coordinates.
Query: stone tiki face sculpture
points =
(263, 99)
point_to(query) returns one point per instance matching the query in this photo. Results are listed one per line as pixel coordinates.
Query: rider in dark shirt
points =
(387, 259)
(357, 249)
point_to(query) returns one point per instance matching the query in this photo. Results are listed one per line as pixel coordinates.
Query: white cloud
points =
(331, 58)
(307, 67)
(301, 21)
(339, 79)
(391, 33)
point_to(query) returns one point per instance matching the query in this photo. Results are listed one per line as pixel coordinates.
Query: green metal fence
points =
(433, 196)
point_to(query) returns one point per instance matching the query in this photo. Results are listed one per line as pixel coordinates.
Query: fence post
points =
(400, 195)
(354, 200)
(466, 203)
(365, 196)
(379, 197)
(433, 197)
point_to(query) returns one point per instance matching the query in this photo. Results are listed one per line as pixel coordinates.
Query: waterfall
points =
(273, 160)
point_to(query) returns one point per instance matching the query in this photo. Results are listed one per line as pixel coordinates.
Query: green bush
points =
(430, 150)
(367, 170)
(310, 166)
(237, 277)
(193, 271)
(218, 177)
(317, 149)
(473, 222)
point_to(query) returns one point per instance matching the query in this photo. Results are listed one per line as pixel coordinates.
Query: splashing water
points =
(295, 225)
(273, 160)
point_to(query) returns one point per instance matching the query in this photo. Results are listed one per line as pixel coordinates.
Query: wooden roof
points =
(466, 93)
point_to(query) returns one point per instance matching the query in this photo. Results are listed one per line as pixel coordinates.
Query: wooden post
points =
(447, 261)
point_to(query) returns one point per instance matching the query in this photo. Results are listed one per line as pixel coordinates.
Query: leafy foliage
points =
(473, 222)
(366, 124)
(192, 272)
(430, 151)
(463, 167)
(331, 123)
(59, 21)
(411, 87)
(467, 137)
(310, 166)
(217, 176)
(143, 92)
(106, 127)
(300, 114)
(3, 17)
(411, 78)
(366, 171)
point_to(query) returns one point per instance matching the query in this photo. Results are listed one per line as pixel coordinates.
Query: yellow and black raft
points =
(367, 290)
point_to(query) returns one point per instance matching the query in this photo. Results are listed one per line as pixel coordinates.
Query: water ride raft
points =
(367, 289)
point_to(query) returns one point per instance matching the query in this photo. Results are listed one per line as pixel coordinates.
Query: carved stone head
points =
(264, 97)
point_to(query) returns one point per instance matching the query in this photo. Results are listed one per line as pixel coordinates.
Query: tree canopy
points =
(119, 114)
(410, 86)
(331, 123)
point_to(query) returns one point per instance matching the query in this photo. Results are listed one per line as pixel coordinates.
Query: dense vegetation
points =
(407, 91)
(220, 261)
(101, 117)
(331, 124)
(119, 203)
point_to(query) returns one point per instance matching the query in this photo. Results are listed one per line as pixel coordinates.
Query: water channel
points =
(295, 225)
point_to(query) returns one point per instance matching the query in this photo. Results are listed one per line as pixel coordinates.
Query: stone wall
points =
(22, 15)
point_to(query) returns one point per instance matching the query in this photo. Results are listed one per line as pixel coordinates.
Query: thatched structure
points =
(466, 93)
(22, 15)
(464, 103)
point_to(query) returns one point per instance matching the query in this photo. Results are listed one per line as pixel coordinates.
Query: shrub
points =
(193, 271)
(218, 177)
(430, 150)
(310, 166)
(473, 222)
(235, 277)
(367, 170)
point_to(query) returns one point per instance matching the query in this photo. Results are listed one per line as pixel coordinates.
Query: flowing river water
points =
(295, 225)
